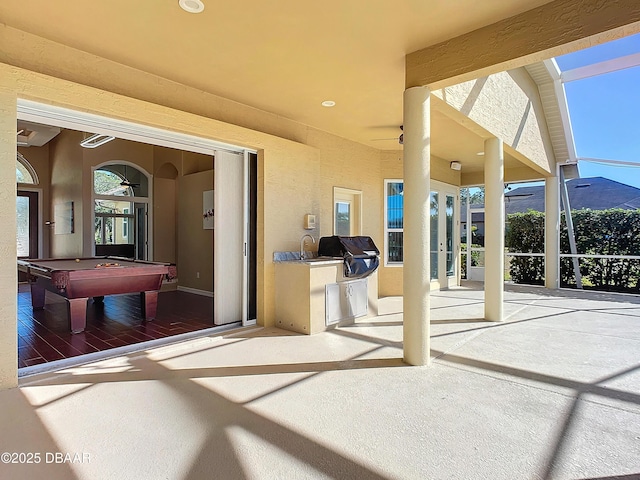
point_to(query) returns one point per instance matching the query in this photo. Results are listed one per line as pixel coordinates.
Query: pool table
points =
(77, 279)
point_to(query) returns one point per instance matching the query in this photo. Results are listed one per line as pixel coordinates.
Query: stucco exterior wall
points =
(508, 105)
(390, 278)
(352, 166)
(8, 249)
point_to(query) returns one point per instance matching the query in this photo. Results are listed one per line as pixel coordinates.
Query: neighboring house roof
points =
(632, 204)
(477, 216)
(596, 193)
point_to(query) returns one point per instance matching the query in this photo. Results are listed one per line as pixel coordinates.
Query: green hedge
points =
(525, 234)
(598, 232)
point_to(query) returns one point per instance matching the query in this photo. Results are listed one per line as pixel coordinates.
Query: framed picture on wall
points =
(63, 218)
(207, 210)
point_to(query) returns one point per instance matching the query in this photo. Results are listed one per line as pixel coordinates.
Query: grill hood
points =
(360, 254)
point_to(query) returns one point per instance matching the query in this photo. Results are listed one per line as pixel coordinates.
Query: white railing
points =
(611, 257)
(577, 255)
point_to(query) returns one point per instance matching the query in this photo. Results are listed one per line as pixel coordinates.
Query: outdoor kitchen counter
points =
(300, 293)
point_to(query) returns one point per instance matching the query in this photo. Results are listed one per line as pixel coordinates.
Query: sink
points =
(294, 257)
(321, 259)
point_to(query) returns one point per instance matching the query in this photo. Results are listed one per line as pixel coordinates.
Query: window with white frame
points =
(393, 221)
(125, 223)
(347, 205)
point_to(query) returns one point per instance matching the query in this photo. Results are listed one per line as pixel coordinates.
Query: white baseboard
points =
(204, 293)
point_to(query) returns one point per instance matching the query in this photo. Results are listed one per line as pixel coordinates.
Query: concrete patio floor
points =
(552, 393)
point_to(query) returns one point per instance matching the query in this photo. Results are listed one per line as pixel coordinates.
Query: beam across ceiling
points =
(553, 29)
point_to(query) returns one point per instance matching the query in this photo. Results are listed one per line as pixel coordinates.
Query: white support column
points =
(551, 233)
(494, 229)
(416, 271)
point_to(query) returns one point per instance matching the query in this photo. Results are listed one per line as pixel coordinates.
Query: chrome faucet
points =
(302, 244)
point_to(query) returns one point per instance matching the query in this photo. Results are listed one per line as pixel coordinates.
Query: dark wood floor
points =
(44, 335)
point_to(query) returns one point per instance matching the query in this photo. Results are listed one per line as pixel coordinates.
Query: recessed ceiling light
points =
(480, 154)
(328, 103)
(191, 6)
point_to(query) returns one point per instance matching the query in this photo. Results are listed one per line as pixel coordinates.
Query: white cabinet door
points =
(346, 300)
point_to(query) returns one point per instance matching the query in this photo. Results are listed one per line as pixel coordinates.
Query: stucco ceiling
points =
(283, 57)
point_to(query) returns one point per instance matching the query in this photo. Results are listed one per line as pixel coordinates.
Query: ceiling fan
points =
(126, 182)
(400, 139)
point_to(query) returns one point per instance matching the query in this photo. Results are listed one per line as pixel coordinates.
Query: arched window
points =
(120, 193)
(24, 171)
(120, 180)
(106, 182)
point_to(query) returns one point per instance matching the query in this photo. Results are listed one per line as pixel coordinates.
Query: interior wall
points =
(169, 238)
(167, 164)
(67, 156)
(164, 157)
(195, 244)
(67, 186)
(120, 150)
(165, 220)
(195, 162)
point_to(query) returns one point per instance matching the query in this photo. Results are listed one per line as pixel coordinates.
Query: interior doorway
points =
(27, 224)
(126, 217)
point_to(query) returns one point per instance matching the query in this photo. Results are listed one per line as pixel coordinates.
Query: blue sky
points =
(605, 111)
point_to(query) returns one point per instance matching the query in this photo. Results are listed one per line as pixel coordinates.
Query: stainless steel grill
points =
(360, 254)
